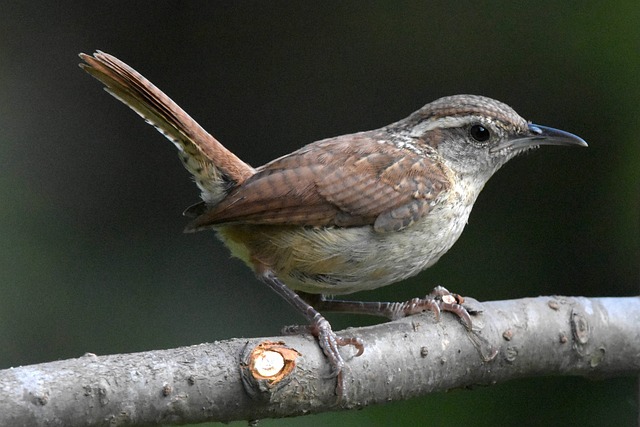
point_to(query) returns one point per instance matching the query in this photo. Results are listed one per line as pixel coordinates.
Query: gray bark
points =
(592, 337)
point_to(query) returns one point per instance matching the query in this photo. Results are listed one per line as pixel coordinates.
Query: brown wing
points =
(351, 180)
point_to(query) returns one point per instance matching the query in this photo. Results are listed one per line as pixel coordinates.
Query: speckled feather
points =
(351, 180)
(348, 213)
(345, 214)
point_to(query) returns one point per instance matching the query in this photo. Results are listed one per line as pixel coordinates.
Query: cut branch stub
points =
(267, 367)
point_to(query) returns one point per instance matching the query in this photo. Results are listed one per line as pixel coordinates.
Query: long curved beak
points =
(543, 135)
(540, 135)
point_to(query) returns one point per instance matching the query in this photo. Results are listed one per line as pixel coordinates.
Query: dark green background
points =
(92, 257)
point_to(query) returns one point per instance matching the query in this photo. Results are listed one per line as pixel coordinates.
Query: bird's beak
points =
(540, 135)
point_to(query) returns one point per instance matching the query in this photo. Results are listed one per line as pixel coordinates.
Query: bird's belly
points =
(345, 260)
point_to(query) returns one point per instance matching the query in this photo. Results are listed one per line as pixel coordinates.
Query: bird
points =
(348, 213)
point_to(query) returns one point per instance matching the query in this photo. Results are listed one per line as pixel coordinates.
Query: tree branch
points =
(592, 337)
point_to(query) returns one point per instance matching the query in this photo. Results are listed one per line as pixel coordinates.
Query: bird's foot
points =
(440, 299)
(330, 343)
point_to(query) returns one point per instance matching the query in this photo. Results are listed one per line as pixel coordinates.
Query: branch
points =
(591, 337)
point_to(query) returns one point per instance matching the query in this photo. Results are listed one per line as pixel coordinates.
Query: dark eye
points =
(479, 133)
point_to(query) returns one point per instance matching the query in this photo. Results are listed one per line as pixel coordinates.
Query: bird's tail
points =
(214, 168)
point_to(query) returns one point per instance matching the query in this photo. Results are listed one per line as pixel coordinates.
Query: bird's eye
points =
(479, 133)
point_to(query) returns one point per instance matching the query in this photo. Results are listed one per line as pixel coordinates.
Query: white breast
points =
(362, 259)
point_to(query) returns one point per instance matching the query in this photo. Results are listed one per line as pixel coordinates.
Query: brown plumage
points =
(349, 213)
(202, 154)
(353, 180)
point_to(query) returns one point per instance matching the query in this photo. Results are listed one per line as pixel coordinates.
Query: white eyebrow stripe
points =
(442, 123)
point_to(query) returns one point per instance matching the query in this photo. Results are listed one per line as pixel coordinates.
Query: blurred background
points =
(92, 255)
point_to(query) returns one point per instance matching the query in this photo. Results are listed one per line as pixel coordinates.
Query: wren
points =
(344, 214)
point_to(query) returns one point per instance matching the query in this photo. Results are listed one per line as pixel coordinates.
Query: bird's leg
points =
(319, 327)
(440, 299)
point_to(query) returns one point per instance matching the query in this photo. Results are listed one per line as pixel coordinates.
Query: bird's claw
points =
(439, 300)
(330, 343)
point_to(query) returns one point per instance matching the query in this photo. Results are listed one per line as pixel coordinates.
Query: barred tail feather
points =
(214, 168)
